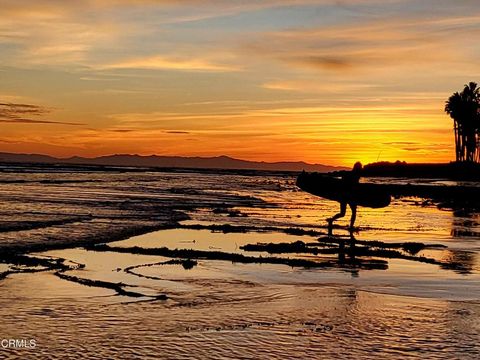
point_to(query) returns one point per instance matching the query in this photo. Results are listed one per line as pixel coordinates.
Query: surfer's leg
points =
(343, 210)
(353, 207)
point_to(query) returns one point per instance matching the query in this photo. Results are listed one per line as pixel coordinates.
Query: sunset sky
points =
(320, 81)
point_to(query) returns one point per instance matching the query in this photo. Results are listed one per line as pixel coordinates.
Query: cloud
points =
(21, 113)
(122, 130)
(11, 110)
(401, 143)
(158, 120)
(170, 63)
(32, 121)
(325, 62)
(306, 121)
(105, 34)
(55, 8)
(86, 33)
(315, 86)
(372, 44)
(177, 132)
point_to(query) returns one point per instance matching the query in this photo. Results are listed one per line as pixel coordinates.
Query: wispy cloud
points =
(315, 86)
(371, 44)
(170, 63)
(177, 132)
(22, 113)
(95, 30)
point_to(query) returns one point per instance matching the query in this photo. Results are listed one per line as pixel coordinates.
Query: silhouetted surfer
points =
(350, 181)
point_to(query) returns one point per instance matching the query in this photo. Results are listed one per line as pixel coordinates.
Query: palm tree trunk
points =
(477, 147)
(458, 142)
(455, 129)
(462, 145)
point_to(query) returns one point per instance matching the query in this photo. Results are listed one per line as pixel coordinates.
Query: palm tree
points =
(464, 109)
(454, 108)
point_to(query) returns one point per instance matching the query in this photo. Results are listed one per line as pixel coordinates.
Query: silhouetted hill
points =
(218, 162)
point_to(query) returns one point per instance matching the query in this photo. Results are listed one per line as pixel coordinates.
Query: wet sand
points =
(219, 314)
(171, 282)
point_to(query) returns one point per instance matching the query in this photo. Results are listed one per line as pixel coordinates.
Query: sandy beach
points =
(409, 288)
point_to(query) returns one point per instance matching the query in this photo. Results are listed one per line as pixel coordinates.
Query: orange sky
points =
(323, 81)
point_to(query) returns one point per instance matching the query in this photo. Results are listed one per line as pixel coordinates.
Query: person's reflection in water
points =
(341, 252)
(350, 183)
(350, 252)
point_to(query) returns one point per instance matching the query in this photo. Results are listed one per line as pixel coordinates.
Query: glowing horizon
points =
(322, 81)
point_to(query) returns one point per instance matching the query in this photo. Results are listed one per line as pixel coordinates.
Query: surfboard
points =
(331, 188)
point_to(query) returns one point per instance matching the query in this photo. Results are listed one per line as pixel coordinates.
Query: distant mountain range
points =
(218, 162)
